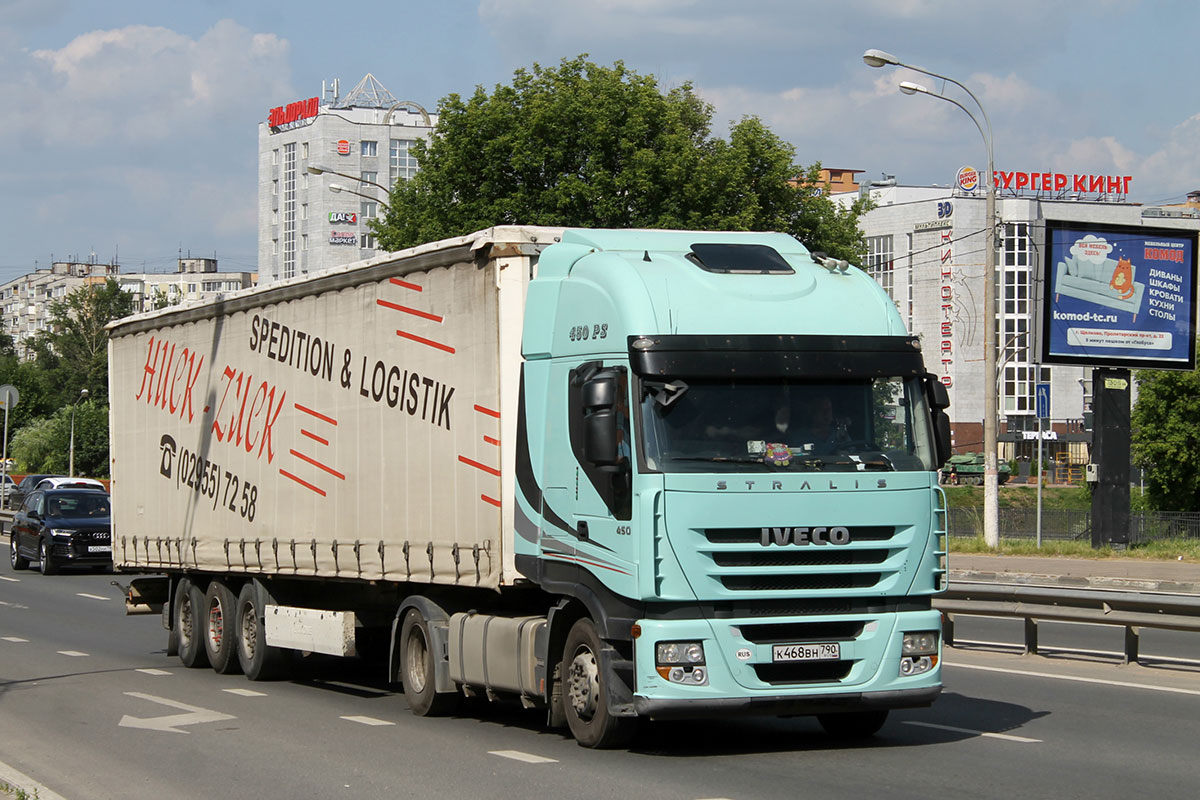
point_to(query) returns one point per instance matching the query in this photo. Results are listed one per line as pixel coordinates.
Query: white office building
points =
(925, 246)
(326, 165)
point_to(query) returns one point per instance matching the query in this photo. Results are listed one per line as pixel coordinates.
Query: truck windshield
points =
(727, 425)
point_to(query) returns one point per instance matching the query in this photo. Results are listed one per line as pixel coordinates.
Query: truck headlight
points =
(920, 643)
(681, 662)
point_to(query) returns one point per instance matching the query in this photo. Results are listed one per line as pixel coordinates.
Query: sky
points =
(130, 126)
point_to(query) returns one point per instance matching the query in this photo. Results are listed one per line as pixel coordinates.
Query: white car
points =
(70, 483)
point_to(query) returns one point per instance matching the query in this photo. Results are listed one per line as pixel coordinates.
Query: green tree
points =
(1166, 437)
(593, 146)
(44, 445)
(74, 350)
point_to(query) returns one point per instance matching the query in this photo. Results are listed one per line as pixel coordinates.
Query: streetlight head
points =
(336, 187)
(908, 87)
(83, 392)
(315, 170)
(880, 58)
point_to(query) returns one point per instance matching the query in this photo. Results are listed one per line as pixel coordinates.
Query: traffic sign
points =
(9, 396)
(1042, 393)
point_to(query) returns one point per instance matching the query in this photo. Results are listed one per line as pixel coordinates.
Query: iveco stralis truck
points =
(612, 474)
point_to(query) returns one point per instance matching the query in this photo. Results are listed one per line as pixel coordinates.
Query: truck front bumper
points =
(783, 705)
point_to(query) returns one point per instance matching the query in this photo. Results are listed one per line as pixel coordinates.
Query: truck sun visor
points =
(744, 259)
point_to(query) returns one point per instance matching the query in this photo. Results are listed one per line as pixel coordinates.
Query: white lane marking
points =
(14, 639)
(245, 692)
(1006, 736)
(72, 653)
(368, 720)
(517, 755)
(31, 787)
(1076, 679)
(194, 715)
(154, 672)
(10, 580)
(91, 596)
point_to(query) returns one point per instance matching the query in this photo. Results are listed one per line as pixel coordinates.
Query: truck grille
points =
(738, 563)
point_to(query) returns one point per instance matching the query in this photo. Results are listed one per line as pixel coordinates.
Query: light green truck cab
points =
(727, 463)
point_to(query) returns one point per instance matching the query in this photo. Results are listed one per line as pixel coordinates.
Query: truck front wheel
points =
(417, 669)
(585, 694)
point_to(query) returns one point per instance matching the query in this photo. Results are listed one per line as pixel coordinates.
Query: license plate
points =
(824, 651)
(100, 548)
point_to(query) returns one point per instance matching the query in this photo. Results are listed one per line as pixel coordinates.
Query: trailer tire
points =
(189, 601)
(853, 724)
(585, 694)
(417, 669)
(259, 660)
(218, 620)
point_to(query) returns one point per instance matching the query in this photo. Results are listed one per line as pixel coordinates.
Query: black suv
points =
(61, 527)
(18, 493)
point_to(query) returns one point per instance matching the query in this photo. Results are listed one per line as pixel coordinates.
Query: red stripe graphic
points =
(303, 483)
(491, 500)
(319, 465)
(487, 411)
(429, 342)
(314, 437)
(585, 561)
(316, 414)
(413, 311)
(490, 440)
(405, 284)
(477, 465)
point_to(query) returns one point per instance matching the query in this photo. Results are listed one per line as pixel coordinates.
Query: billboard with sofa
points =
(1119, 297)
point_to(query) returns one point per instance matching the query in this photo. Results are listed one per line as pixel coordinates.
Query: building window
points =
(304, 241)
(275, 187)
(367, 209)
(289, 210)
(274, 216)
(304, 149)
(367, 148)
(304, 211)
(274, 157)
(402, 164)
(367, 178)
(1015, 321)
(880, 259)
(367, 241)
(304, 180)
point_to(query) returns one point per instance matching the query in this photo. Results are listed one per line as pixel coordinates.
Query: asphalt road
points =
(92, 708)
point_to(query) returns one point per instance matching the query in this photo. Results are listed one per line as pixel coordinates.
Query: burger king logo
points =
(968, 179)
(343, 147)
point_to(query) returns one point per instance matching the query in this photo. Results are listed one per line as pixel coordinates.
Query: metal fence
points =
(1021, 523)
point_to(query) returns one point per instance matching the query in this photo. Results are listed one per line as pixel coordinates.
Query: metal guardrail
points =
(1132, 610)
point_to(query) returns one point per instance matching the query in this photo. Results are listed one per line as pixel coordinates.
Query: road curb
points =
(19, 780)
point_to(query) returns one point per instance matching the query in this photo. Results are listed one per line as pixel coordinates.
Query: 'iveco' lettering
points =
(782, 536)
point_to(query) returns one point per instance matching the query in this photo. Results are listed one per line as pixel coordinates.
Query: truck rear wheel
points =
(417, 669)
(218, 621)
(585, 694)
(259, 660)
(189, 601)
(853, 724)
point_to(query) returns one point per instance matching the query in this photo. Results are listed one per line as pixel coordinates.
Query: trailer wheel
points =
(189, 601)
(853, 724)
(417, 669)
(218, 621)
(585, 694)
(259, 660)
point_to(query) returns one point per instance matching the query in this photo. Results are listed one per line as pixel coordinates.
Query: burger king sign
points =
(968, 179)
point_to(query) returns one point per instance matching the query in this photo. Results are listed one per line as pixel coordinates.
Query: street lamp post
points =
(316, 170)
(337, 187)
(991, 492)
(83, 393)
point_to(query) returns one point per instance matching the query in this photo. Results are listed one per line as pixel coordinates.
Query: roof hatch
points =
(739, 259)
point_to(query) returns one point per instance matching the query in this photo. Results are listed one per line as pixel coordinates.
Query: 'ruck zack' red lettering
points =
(239, 426)
(162, 374)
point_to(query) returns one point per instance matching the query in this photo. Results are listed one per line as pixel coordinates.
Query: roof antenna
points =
(646, 256)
